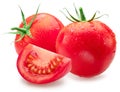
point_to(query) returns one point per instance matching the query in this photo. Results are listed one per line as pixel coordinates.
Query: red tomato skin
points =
(90, 45)
(58, 73)
(44, 30)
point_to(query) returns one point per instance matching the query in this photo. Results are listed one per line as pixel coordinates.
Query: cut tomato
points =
(38, 65)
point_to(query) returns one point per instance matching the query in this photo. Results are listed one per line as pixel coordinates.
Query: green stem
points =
(82, 15)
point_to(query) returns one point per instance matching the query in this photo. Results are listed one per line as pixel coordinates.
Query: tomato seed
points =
(48, 70)
(28, 60)
(58, 59)
(32, 68)
(51, 67)
(54, 63)
(39, 71)
(30, 57)
(29, 65)
(35, 69)
(44, 71)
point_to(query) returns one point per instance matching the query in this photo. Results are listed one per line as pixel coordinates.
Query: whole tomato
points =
(90, 44)
(38, 29)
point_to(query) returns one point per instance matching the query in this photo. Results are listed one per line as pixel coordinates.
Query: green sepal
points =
(25, 30)
(80, 15)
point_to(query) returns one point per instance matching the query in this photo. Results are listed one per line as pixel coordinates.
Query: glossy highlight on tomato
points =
(38, 65)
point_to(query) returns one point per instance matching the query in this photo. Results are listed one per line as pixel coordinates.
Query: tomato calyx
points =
(80, 15)
(25, 30)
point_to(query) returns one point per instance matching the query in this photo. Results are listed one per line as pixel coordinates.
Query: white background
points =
(11, 81)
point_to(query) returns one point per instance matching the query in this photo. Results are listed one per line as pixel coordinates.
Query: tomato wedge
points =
(38, 65)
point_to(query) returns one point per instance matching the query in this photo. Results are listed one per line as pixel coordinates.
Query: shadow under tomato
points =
(86, 79)
(46, 85)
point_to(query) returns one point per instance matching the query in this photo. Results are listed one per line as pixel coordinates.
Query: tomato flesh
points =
(38, 65)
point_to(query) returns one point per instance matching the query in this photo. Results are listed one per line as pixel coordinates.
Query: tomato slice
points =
(39, 66)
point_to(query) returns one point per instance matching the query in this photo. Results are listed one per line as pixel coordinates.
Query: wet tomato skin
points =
(90, 45)
(39, 66)
(44, 31)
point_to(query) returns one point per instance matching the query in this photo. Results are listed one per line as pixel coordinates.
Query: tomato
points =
(40, 29)
(38, 65)
(90, 44)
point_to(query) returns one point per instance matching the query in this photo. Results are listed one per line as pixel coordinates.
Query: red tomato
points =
(43, 32)
(90, 44)
(39, 66)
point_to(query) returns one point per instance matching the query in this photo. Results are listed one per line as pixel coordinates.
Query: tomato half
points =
(39, 66)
